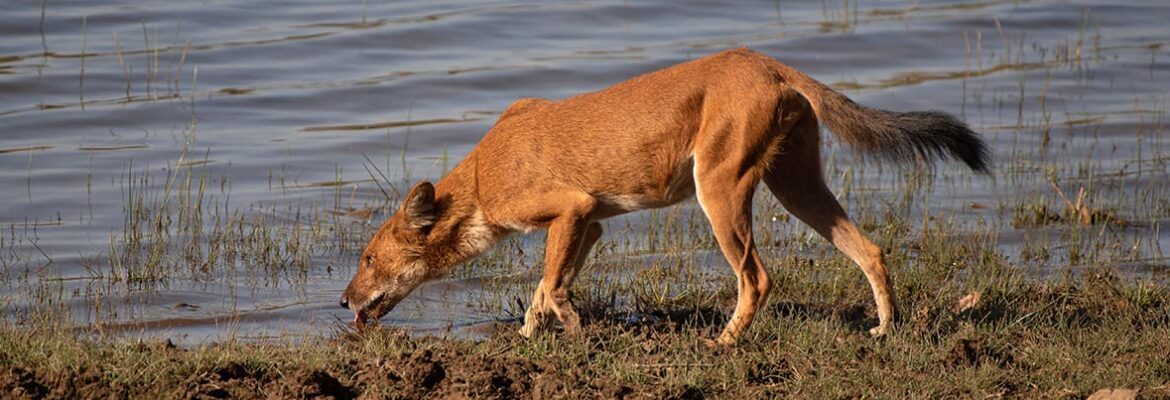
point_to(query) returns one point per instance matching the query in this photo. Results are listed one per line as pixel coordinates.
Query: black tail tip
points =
(972, 150)
(977, 156)
(957, 138)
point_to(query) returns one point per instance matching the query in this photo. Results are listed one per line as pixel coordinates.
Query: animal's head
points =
(395, 260)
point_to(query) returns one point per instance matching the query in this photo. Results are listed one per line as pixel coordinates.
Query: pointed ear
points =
(419, 208)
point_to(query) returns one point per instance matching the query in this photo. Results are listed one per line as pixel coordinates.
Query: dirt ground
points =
(426, 368)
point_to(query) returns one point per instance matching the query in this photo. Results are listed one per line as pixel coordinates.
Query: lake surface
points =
(144, 145)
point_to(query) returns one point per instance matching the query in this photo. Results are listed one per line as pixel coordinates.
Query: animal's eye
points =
(369, 259)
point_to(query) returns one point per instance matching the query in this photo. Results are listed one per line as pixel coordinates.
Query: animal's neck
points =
(463, 230)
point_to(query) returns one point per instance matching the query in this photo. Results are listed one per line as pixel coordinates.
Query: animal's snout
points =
(344, 302)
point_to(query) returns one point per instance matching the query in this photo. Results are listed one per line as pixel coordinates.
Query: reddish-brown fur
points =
(714, 127)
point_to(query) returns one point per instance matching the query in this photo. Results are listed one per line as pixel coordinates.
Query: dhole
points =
(712, 128)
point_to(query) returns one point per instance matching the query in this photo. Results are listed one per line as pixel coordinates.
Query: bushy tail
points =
(903, 137)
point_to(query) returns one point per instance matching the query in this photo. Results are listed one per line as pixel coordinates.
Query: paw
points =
(528, 330)
(879, 331)
(724, 340)
(534, 321)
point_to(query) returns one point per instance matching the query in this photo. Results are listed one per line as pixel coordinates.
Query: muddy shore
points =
(1018, 337)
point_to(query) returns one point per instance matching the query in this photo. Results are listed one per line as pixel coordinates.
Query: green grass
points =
(1061, 337)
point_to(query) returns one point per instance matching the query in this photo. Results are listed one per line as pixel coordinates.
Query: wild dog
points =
(712, 128)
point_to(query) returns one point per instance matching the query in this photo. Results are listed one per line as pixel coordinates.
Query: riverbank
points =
(984, 330)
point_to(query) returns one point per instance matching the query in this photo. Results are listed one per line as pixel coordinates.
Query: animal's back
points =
(630, 143)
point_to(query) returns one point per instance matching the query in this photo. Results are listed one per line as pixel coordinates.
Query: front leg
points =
(570, 239)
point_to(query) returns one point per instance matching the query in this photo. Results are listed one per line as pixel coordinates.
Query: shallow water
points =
(290, 112)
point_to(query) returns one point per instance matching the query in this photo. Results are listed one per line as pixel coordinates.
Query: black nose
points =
(344, 302)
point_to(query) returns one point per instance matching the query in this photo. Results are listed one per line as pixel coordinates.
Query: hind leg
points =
(725, 196)
(796, 179)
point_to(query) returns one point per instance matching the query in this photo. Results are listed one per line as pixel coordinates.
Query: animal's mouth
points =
(373, 310)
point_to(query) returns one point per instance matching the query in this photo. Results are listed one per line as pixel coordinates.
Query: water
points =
(290, 111)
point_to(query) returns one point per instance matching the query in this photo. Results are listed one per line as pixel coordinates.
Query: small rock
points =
(1114, 394)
